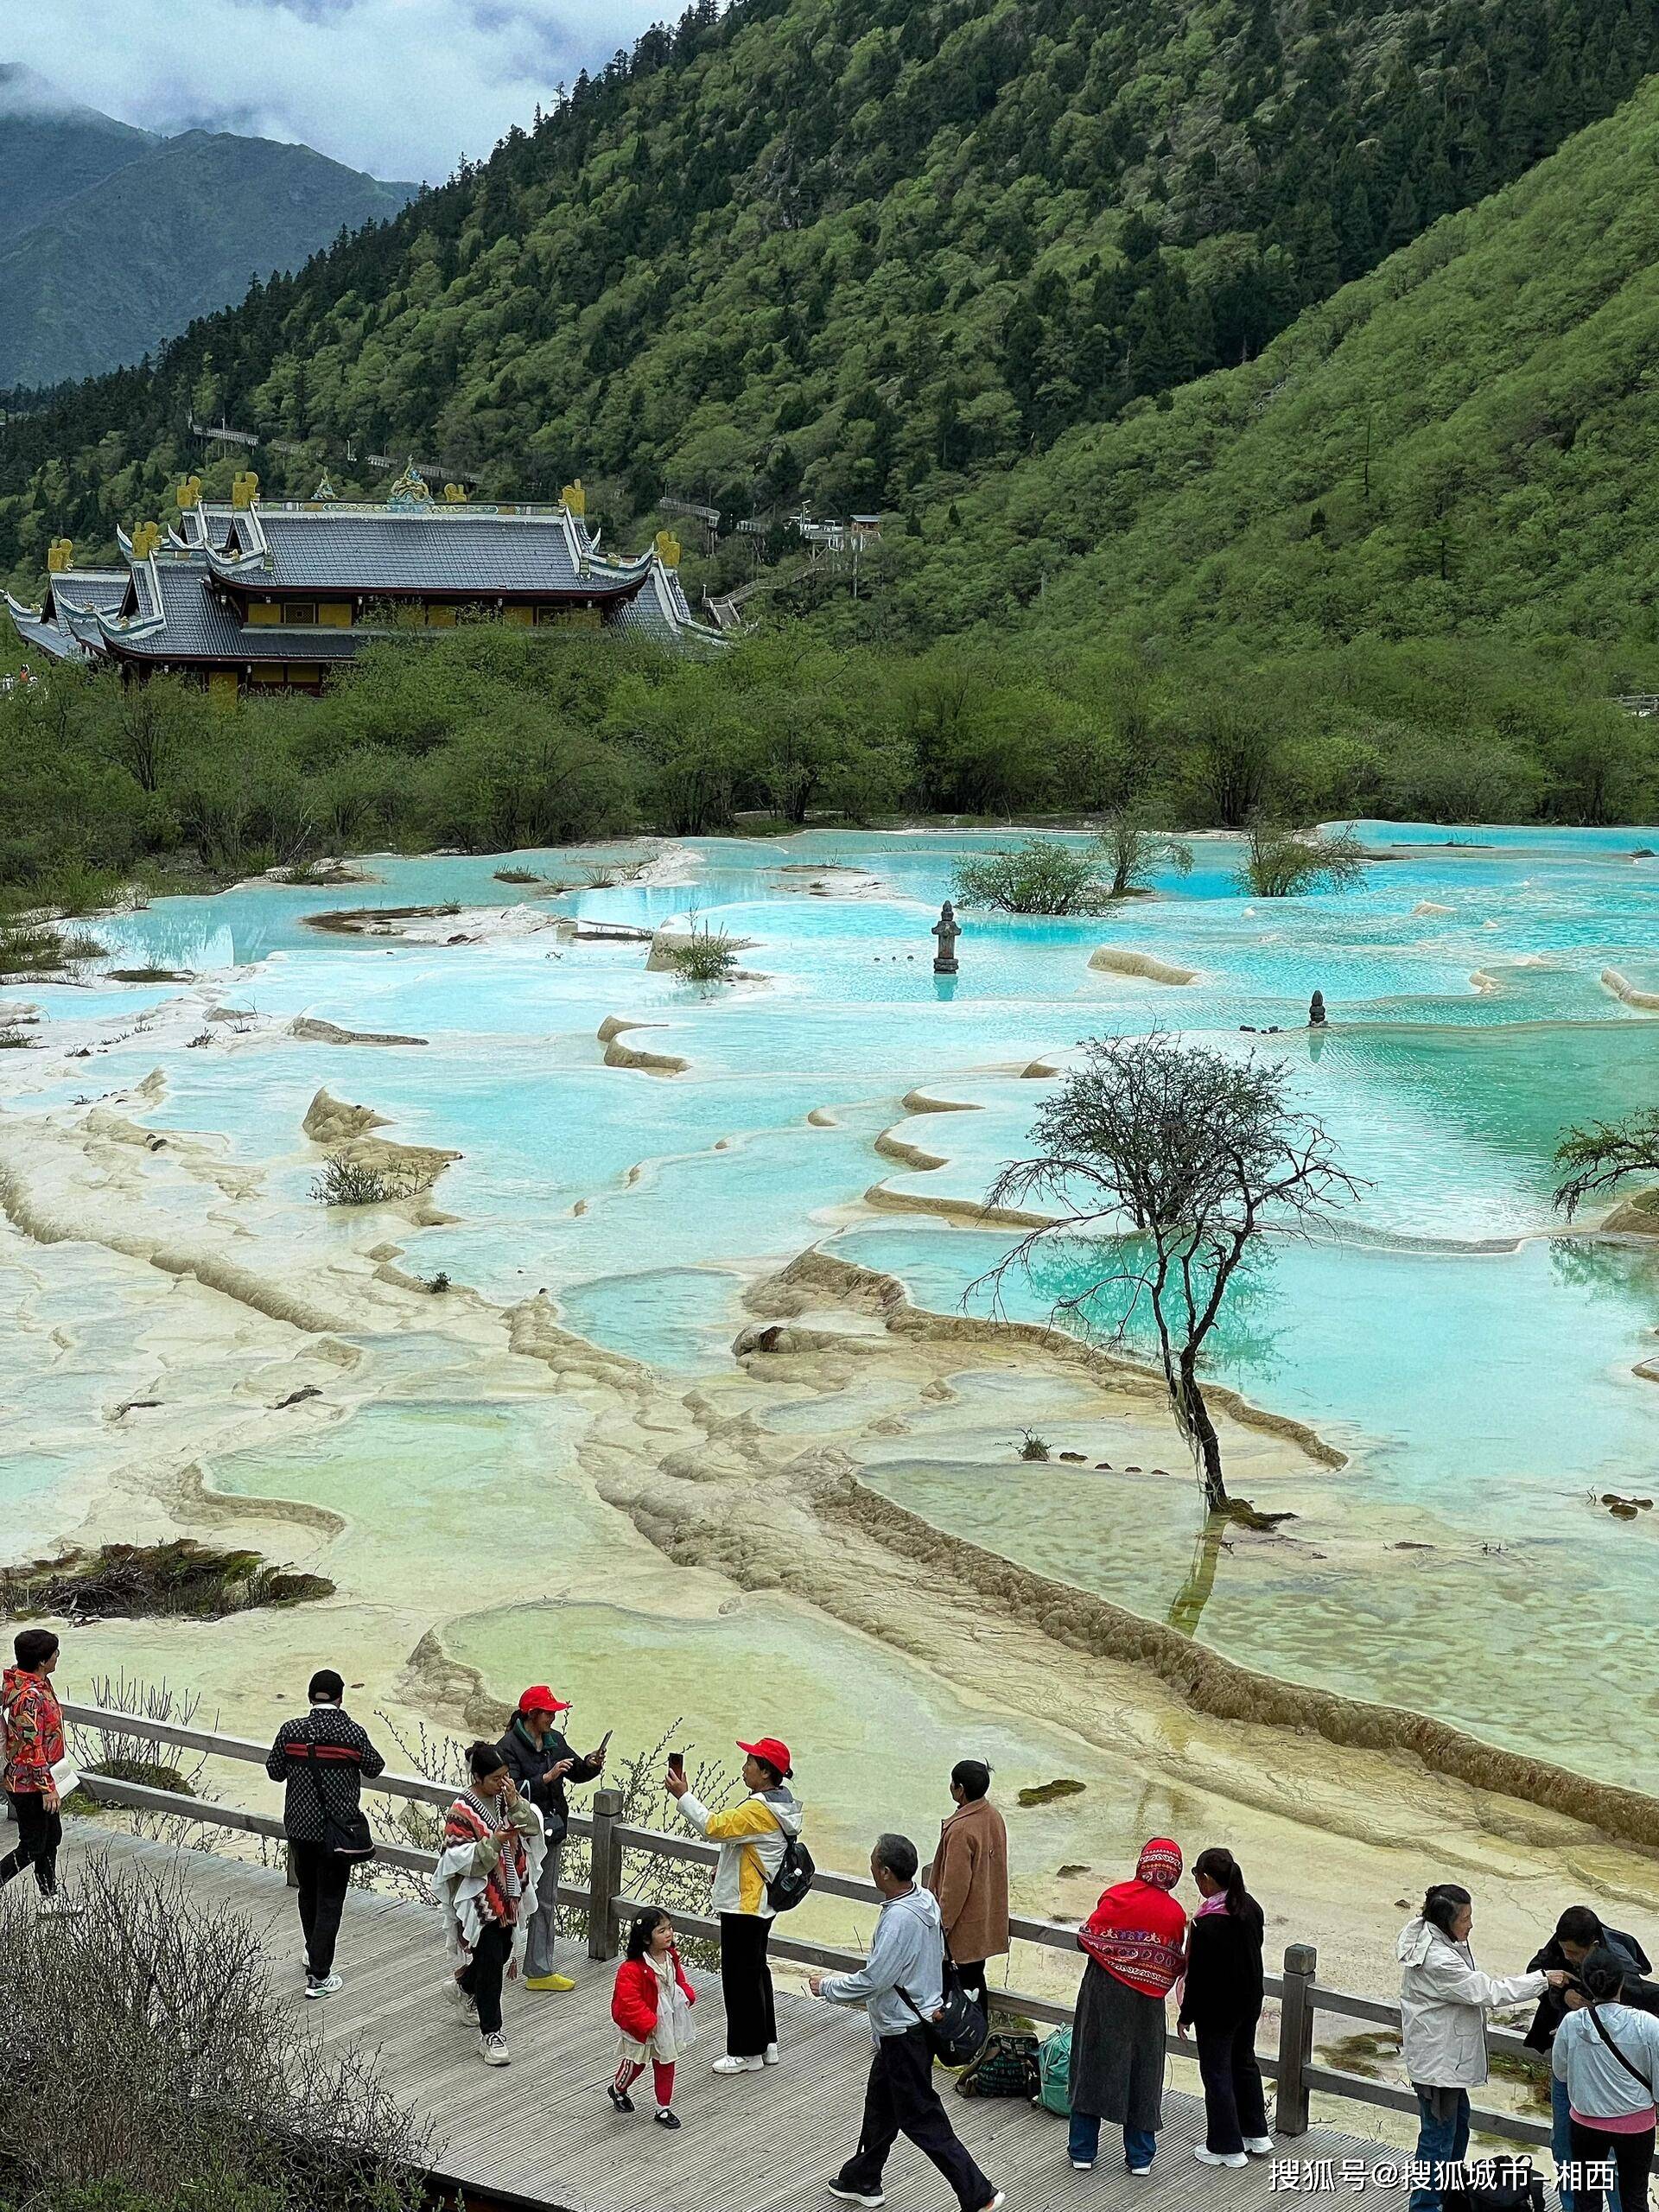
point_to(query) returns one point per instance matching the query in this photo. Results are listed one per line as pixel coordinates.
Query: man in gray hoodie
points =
(900, 1984)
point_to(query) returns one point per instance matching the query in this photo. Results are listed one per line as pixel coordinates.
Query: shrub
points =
(345, 1182)
(147, 2062)
(1040, 876)
(152, 1581)
(1033, 1447)
(706, 956)
(1284, 863)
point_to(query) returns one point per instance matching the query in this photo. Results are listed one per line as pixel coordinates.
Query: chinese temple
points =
(269, 596)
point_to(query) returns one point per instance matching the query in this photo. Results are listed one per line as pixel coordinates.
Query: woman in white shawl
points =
(493, 1846)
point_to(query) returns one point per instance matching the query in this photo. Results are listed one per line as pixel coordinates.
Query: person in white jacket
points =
(1443, 2000)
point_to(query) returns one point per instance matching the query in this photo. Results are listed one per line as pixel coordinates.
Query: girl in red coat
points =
(652, 2006)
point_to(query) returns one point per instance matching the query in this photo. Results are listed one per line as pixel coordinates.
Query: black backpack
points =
(1516, 2189)
(793, 1879)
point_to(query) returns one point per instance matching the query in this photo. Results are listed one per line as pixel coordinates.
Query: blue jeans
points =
(1560, 2144)
(1138, 2142)
(1442, 2143)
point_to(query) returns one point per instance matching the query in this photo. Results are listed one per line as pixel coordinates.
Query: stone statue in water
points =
(947, 930)
(1316, 1011)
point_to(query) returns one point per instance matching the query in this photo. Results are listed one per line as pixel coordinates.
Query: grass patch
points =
(1049, 1792)
(179, 1580)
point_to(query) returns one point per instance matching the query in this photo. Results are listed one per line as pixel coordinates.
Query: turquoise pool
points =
(1477, 1368)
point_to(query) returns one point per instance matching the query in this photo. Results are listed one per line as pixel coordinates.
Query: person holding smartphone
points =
(542, 1766)
(485, 1881)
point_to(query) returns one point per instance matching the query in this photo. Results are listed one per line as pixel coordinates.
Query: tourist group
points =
(922, 1988)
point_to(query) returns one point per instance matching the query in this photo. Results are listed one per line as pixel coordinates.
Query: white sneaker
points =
(1140, 2171)
(852, 2196)
(492, 2050)
(1220, 2158)
(59, 1907)
(1083, 2165)
(463, 2004)
(1259, 2146)
(326, 1987)
(770, 2054)
(737, 2066)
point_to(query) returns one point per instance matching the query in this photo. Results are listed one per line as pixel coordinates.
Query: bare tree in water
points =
(1197, 1157)
(1598, 1158)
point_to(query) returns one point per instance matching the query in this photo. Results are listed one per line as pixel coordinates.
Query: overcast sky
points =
(399, 87)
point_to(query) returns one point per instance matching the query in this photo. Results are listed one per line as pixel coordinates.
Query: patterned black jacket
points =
(322, 1751)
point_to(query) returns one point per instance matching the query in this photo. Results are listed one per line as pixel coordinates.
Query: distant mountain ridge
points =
(113, 239)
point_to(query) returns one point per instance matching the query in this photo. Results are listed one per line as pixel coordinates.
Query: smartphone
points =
(676, 1763)
(604, 1745)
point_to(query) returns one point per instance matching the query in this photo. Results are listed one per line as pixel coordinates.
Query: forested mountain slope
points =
(1466, 440)
(49, 144)
(113, 241)
(864, 252)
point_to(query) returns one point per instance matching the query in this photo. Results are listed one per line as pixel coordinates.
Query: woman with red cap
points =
(753, 1839)
(1135, 1941)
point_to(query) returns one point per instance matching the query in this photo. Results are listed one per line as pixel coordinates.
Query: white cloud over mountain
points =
(399, 87)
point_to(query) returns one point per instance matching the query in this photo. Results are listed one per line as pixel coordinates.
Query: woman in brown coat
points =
(969, 1877)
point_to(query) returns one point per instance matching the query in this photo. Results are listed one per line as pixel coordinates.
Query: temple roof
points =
(87, 588)
(457, 550)
(196, 624)
(186, 602)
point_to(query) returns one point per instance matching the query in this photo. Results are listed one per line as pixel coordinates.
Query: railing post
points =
(1295, 2038)
(605, 1876)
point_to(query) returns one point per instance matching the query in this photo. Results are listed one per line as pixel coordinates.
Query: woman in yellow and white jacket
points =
(753, 1839)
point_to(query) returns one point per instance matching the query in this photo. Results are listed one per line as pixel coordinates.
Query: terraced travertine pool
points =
(1480, 1370)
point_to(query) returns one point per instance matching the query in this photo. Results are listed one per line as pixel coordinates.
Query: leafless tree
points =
(1600, 1156)
(1171, 1163)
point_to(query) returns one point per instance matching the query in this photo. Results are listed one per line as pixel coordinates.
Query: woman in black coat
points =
(1222, 2004)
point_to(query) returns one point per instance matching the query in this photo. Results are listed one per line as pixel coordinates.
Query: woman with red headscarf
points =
(1135, 1943)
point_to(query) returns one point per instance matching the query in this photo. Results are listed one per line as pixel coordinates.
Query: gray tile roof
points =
(199, 625)
(105, 587)
(484, 554)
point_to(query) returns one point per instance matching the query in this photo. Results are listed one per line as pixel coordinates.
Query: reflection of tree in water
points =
(1606, 1269)
(1245, 1336)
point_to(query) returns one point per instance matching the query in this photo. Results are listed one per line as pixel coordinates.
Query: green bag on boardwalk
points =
(1007, 2067)
(1054, 2072)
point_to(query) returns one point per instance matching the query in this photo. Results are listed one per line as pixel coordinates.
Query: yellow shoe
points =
(549, 1981)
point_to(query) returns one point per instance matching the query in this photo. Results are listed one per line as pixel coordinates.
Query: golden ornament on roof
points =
(668, 549)
(574, 499)
(189, 494)
(59, 556)
(145, 539)
(245, 489)
(455, 494)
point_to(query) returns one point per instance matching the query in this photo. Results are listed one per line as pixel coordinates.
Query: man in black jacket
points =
(1577, 1934)
(543, 1764)
(322, 1758)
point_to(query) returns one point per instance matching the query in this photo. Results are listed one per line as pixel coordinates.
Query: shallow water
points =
(1486, 1395)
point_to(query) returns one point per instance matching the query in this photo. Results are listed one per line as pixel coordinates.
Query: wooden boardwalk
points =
(541, 2130)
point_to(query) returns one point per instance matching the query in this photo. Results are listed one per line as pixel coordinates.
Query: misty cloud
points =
(400, 88)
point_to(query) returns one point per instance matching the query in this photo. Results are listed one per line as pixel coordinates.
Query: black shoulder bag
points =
(959, 2030)
(349, 1838)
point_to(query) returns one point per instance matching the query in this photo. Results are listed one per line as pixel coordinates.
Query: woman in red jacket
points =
(652, 2006)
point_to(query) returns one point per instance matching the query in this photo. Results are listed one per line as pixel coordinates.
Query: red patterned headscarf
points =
(1137, 1933)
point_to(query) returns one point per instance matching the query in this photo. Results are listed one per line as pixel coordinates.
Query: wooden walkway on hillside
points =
(541, 2130)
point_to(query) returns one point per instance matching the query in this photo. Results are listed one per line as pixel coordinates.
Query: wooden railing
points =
(1300, 1995)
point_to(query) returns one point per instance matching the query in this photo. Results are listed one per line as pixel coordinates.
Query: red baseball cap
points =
(773, 1750)
(539, 1699)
